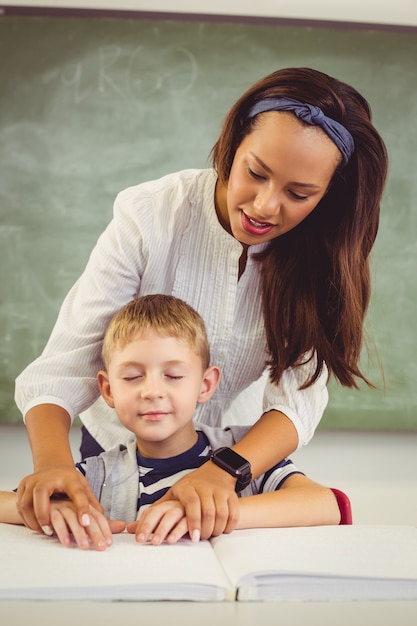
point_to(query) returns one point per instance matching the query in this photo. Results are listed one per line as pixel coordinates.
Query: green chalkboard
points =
(89, 106)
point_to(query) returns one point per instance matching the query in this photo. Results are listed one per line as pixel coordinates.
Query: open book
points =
(320, 563)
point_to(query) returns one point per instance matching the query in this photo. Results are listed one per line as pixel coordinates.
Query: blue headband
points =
(311, 115)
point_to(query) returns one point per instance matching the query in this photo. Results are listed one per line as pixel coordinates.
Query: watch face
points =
(234, 464)
(231, 458)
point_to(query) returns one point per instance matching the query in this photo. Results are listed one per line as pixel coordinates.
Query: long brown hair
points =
(316, 277)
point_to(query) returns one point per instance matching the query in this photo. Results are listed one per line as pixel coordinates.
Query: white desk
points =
(381, 491)
(209, 614)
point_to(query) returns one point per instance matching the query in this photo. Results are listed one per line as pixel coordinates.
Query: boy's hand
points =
(97, 534)
(209, 500)
(35, 490)
(162, 521)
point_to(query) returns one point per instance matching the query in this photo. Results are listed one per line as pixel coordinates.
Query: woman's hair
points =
(165, 315)
(316, 277)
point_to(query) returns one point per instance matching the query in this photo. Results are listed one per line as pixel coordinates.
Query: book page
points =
(378, 552)
(38, 567)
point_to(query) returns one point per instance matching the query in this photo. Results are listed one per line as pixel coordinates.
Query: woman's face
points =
(280, 172)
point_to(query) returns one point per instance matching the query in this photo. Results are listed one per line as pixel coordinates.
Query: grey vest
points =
(114, 475)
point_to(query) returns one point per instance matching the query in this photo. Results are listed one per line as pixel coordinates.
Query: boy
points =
(157, 368)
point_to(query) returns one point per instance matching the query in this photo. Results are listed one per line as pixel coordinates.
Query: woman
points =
(271, 246)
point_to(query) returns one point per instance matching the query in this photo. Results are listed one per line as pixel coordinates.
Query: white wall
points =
(401, 12)
(377, 470)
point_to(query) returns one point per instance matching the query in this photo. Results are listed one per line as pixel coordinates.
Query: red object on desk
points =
(344, 507)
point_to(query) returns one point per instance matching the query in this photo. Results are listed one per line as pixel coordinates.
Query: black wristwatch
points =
(234, 464)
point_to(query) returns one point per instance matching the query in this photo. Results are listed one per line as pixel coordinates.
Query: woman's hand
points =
(209, 500)
(97, 534)
(48, 426)
(34, 493)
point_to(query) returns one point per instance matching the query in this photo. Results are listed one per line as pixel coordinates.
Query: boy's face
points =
(154, 383)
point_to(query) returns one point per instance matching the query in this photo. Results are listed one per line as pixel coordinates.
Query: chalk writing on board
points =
(131, 73)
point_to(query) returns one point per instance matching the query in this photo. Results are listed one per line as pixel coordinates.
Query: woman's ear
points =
(104, 386)
(211, 379)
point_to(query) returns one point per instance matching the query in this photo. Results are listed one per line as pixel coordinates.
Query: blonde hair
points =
(166, 315)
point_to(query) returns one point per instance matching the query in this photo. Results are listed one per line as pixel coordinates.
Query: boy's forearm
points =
(47, 428)
(270, 440)
(289, 507)
(8, 509)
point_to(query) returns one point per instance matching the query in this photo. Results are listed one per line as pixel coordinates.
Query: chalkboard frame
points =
(200, 17)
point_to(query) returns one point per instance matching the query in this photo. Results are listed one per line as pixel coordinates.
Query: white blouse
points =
(165, 238)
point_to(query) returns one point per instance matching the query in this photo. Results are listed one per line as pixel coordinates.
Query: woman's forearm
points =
(47, 428)
(270, 440)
